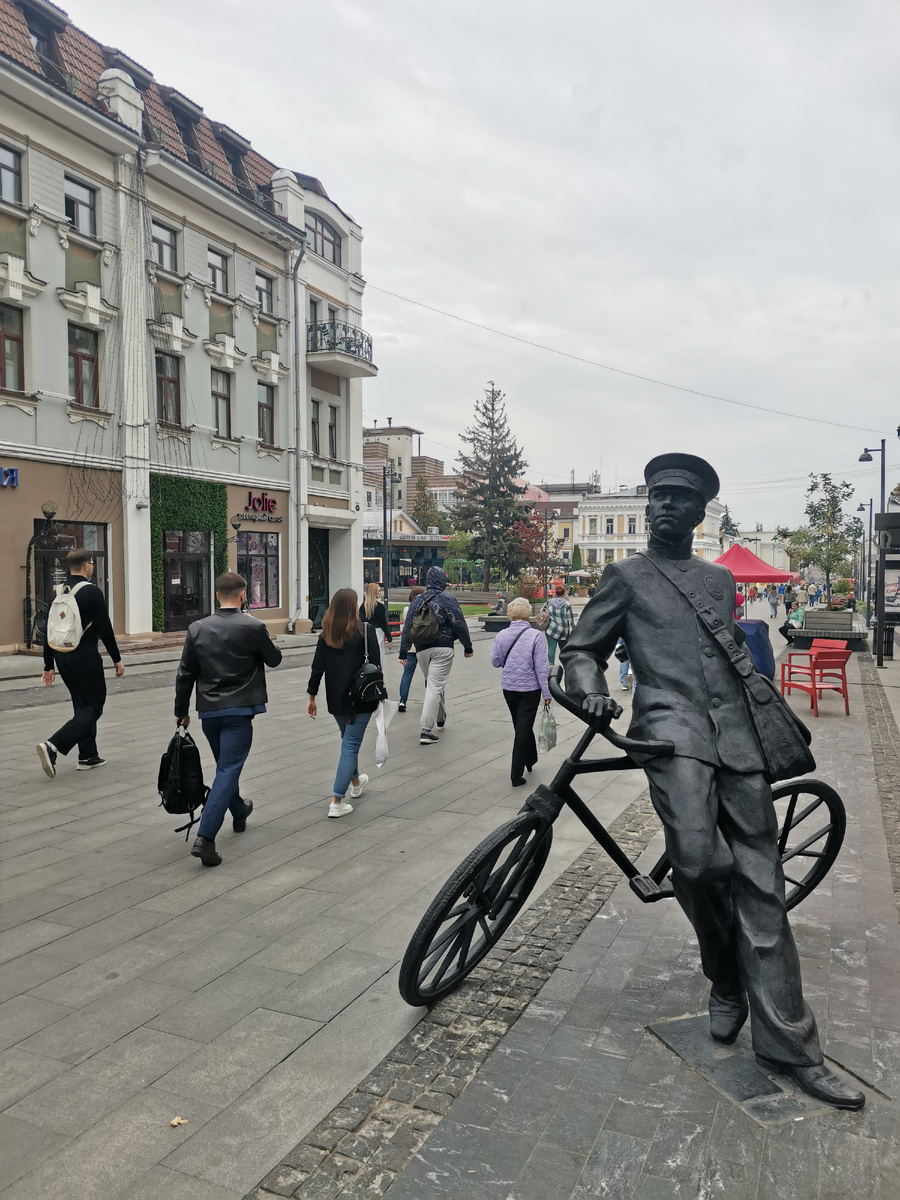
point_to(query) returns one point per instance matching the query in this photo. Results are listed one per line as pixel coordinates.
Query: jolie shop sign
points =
(260, 507)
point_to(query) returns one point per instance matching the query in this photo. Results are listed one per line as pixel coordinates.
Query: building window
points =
(265, 402)
(336, 477)
(592, 556)
(218, 271)
(632, 553)
(265, 293)
(313, 312)
(368, 499)
(10, 175)
(168, 390)
(317, 474)
(162, 246)
(314, 427)
(565, 556)
(83, 385)
(632, 524)
(221, 396)
(592, 526)
(332, 431)
(50, 558)
(12, 350)
(324, 240)
(609, 525)
(81, 206)
(646, 524)
(608, 556)
(257, 561)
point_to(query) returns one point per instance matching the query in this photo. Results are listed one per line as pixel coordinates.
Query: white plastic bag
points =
(384, 714)
(547, 731)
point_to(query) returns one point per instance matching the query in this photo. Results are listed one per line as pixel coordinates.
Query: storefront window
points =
(257, 561)
(50, 555)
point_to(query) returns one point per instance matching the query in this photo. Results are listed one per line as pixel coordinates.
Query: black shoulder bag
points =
(783, 738)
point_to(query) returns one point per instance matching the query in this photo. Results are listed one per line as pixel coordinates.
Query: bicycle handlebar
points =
(628, 745)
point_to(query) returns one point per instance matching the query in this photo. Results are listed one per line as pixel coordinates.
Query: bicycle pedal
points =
(649, 890)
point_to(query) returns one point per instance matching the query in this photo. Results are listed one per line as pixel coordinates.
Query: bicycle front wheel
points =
(474, 908)
(811, 827)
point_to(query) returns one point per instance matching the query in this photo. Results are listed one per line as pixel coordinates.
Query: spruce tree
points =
(728, 527)
(425, 511)
(487, 487)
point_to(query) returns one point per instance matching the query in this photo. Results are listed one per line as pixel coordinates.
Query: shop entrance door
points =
(185, 577)
(318, 575)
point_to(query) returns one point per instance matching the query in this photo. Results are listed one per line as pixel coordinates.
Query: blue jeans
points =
(351, 740)
(552, 643)
(230, 739)
(408, 671)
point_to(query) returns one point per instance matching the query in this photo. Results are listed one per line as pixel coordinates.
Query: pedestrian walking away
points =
(340, 653)
(435, 652)
(409, 664)
(561, 621)
(374, 610)
(225, 656)
(521, 652)
(81, 669)
(675, 613)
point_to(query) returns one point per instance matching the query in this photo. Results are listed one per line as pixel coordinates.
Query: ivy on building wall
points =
(193, 504)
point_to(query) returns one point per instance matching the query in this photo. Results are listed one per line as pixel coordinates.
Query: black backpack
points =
(180, 781)
(367, 688)
(425, 629)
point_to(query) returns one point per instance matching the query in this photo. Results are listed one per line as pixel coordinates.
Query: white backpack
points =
(64, 631)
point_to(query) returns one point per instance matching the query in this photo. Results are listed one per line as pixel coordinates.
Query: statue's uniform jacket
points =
(686, 691)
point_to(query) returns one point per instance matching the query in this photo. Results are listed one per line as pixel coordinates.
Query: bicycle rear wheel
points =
(474, 908)
(811, 827)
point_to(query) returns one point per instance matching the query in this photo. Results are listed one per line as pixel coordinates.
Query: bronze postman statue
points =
(675, 614)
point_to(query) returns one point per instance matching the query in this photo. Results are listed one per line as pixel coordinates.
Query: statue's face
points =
(674, 513)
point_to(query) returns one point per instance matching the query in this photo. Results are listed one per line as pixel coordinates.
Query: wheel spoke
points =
(782, 841)
(504, 894)
(448, 959)
(799, 817)
(813, 837)
(795, 882)
(448, 934)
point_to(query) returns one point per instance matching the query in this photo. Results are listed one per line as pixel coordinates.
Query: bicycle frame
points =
(548, 802)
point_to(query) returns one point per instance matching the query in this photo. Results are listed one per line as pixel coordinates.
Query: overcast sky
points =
(702, 193)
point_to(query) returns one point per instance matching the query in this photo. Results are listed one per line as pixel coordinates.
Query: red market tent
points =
(746, 567)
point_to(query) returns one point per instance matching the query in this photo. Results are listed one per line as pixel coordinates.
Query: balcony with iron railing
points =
(340, 348)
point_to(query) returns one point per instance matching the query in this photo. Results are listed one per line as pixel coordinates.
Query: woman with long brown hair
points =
(340, 652)
(375, 612)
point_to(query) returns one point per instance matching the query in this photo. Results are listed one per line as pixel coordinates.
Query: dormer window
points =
(185, 127)
(324, 239)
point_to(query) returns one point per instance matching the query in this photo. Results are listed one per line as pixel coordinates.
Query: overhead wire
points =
(591, 362)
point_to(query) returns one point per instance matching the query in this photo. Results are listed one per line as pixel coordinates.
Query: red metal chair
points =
(825, 672)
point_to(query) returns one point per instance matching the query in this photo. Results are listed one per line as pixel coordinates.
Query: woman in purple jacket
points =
(522, 653)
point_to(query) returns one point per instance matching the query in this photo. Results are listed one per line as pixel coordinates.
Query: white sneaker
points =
(356, 790)
(339, 810)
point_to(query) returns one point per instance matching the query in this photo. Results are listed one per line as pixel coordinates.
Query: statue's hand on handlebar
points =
(599, 710)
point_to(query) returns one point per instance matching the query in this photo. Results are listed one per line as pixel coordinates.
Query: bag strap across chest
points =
(735, 655)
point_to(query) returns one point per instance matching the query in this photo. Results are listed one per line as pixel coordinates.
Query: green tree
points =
(576, 558)
(487, 487)
(459, 552)
(829, 536)
(728, 527)
(425, 511)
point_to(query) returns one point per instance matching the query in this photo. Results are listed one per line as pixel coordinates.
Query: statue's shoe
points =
(727, 1013)
(820, 1082)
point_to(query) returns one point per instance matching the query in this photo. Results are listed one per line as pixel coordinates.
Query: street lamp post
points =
(49, 509)
(868, 565)
(866, 456)
(388, 479)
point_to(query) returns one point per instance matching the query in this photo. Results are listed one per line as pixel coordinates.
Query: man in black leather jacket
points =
(225, 655)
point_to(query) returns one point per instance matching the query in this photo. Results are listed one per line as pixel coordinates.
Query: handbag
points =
(367, 688)
(783, 738)
(547, 731)
(542, 620)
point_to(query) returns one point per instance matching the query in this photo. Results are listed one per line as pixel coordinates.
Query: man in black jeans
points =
(81, 670)
(225, 656)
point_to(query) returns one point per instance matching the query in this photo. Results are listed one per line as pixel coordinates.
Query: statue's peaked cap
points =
(683, 470)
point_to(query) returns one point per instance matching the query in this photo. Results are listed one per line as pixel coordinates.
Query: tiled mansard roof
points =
(76, 65)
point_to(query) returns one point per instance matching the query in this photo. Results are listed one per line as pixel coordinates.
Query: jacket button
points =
(717, 703)
(709, 652)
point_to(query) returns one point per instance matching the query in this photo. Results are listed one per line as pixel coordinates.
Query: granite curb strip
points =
(361, 1147)
(884, 737)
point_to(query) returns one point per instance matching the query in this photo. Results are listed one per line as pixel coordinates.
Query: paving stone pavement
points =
(579, 1098)
(249, 999)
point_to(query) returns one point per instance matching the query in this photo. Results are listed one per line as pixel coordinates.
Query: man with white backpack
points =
(77, 621)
